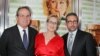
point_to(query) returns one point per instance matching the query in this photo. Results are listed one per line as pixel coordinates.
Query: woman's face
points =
(52, 24)
(58, 7)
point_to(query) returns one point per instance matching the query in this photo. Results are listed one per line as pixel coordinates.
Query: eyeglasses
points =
(75, 21)
(24, 16)
(55, 23)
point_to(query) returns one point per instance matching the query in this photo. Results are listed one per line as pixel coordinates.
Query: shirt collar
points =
(74, 32)
(21, 29)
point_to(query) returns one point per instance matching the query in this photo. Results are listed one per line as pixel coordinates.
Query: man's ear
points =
(79, 24)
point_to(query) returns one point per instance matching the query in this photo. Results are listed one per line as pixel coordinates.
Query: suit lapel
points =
(65, 45)
(30, 36)
(18, 37)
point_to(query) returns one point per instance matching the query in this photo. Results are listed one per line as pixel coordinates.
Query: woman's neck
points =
(48, 36)
(50, 33)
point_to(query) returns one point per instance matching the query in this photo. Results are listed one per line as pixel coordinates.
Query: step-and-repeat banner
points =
(41, 9)
(87, 10)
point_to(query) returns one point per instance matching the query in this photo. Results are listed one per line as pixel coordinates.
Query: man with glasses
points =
(77, 42)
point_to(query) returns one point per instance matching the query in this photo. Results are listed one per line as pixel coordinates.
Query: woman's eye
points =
(61, 2)
(53, 1)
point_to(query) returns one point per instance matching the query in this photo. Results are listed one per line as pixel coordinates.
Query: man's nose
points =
(72, 23)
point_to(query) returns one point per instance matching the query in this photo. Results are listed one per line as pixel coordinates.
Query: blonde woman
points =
(49, 43)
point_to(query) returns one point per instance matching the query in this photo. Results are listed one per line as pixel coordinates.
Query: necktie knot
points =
(24, 31)
(71, 35)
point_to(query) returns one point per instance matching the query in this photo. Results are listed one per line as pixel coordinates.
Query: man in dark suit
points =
(77, 42)
(19, 39)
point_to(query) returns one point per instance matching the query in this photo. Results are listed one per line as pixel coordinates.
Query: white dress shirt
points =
(21, 31)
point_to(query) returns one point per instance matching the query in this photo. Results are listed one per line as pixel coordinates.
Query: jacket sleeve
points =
(90, 46)
(3, 43)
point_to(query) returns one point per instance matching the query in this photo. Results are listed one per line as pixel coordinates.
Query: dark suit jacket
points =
(84, 44)
(12, 45)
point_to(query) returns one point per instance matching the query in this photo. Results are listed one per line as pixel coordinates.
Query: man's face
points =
(58, 7)
(23, 18)
(72, 23)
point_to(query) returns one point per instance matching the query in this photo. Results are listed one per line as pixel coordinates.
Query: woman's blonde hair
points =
(55, 16)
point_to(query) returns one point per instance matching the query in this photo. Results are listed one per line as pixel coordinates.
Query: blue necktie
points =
(25, 39)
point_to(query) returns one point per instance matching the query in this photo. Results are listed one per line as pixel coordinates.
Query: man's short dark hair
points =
(23, 7)
(72, 14)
